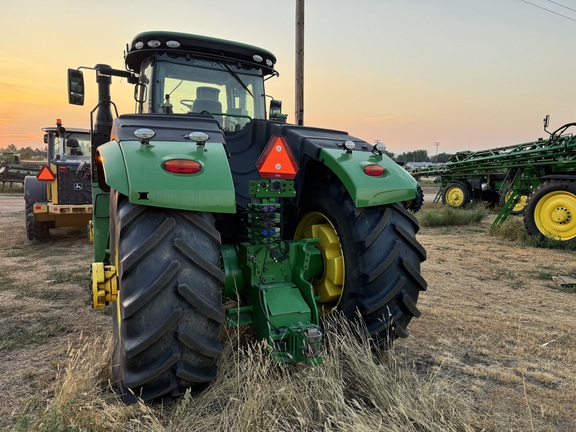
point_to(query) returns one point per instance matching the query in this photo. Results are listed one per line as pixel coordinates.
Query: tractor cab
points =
(172, 79)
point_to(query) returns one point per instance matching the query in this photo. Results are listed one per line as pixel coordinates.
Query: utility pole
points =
(299, 100)
(437, 144)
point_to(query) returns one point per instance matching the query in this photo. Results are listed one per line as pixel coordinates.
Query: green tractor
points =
(202, 197)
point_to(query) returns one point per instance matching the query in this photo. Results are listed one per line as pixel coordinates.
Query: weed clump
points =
(513, 229)
(447, 216)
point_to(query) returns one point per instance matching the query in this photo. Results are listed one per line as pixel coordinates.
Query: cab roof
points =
(68, 130)
(145, 44)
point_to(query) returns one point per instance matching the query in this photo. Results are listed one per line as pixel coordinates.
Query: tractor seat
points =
(207, 100)
(73, 145)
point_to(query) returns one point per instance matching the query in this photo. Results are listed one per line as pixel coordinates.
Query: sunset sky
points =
(469, 74)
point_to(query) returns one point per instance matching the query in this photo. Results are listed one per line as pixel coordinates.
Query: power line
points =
(548, 10)
(561, 5)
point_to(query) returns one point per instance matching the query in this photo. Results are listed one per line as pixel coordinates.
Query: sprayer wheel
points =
(456, 194)
(551, 211)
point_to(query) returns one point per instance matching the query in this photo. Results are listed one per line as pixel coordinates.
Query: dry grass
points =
(354, 390)
(494, 350)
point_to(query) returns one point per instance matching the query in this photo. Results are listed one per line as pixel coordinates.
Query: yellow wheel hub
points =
(454, 196)
(330, 285)
(520, 204)
(555, 215)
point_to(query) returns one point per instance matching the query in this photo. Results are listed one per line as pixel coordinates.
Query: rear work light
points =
(374, 170)
(182, 166)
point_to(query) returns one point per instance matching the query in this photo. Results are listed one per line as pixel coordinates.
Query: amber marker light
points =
(182, 166)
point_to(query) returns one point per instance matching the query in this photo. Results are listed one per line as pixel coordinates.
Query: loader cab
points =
(69, 160)
(71, 146)
(186, 74)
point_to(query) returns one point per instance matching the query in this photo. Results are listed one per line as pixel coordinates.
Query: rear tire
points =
(417, 203)
(456, 194)
(379, 275)
(169, 311)
(39, 231)
(551, 211)
(35, 192)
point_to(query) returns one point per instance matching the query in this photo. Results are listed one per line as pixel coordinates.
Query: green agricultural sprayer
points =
(203, 198)
(536, 178)
(14, 170)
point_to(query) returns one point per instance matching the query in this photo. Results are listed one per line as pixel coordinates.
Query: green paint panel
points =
(395, 185)
(100, 223)
(286, 305)
(147, 183)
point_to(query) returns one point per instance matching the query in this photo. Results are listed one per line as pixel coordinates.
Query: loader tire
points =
(371, 260)
(456, 194)
(169, 311)
(39, 231)
(551, 211)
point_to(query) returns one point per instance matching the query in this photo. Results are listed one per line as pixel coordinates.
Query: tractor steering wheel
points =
(187, 103)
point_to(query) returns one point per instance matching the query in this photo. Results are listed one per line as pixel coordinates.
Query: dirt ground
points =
(494, 323)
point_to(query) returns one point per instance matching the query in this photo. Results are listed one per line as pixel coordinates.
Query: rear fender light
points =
(374, 170)
(182, 166)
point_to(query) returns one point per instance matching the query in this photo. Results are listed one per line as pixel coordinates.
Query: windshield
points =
(75, 144)
(230, 93)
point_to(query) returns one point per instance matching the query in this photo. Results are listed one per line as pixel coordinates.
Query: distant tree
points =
(389, 154)
(414, 156)
(442, 157)
(27, 153)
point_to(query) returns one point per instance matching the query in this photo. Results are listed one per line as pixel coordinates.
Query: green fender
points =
(395, 185)
(135, 170)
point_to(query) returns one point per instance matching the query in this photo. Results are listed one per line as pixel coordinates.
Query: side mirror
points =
(45, 138)
(75, 87)
(546, 121)
(275, 111)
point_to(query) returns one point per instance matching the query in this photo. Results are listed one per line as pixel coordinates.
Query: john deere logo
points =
(78, 186)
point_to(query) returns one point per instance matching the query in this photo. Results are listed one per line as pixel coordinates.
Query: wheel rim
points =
(519, 207)
(455, 196)
(555, 215)
(329, 286)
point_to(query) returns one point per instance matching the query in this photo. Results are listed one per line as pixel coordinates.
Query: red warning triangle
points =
(45, 174)
(277, 160)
